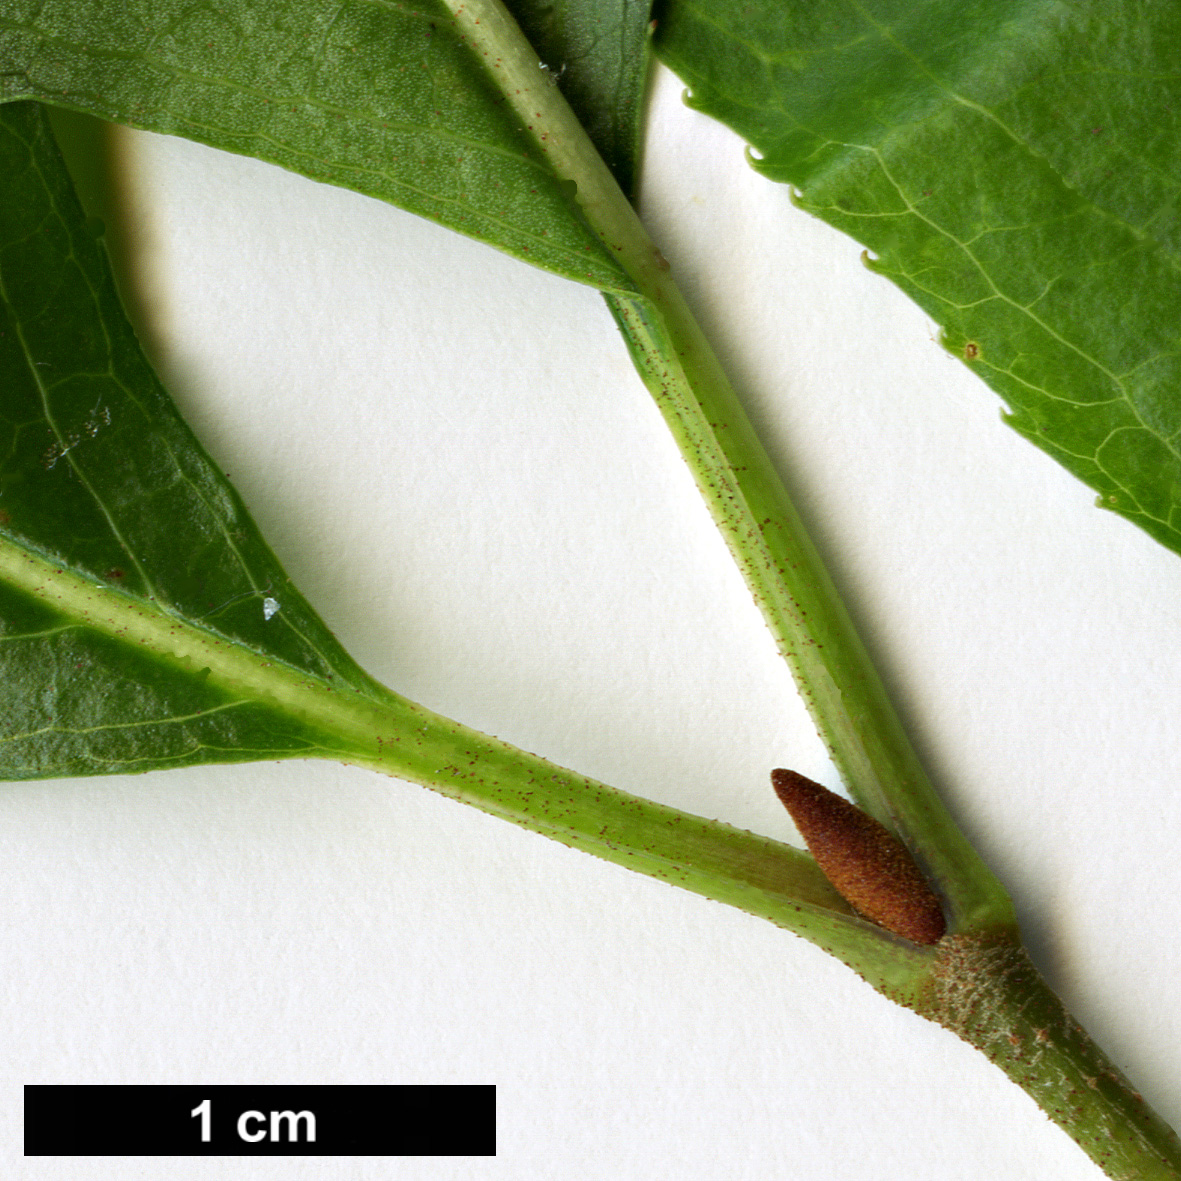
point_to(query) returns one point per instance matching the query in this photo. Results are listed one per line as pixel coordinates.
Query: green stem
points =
(756, 874)
(800, 605)
(988, 992)
(383, 731)
(746, 497)
(978, 982)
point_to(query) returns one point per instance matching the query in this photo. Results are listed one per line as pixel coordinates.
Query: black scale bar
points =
(260, 1121)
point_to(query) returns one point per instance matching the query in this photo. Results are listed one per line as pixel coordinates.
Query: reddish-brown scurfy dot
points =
(869, 866)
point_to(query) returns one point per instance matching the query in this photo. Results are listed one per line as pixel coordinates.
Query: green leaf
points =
(101, 478)
(732, 472)
(144, 622)
(1014, 169)
(392, 100)
(740, 486)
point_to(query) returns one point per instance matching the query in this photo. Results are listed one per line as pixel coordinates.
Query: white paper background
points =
(454, 459)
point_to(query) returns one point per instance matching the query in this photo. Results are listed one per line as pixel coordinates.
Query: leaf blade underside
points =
(388, 99)
(101, 478)
(103, 673)
(197, 574)
(1015, 169)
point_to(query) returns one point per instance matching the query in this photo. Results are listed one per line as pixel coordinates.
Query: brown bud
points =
(869, 866)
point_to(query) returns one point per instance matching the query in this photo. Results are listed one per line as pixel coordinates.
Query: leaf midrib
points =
(353, 723)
